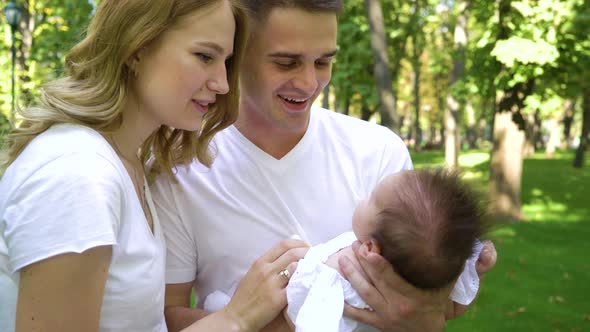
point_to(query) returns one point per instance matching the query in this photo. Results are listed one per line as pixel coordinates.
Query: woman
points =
(81, 248)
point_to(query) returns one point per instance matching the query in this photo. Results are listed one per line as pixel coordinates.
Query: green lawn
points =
(542, 279)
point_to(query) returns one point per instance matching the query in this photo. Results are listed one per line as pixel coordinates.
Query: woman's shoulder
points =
(66, 141)
(67, 152)
(68, 138)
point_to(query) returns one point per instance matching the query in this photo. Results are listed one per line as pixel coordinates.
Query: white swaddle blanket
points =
(316, 293)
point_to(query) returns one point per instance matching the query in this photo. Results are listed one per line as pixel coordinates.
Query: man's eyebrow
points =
(297, 56)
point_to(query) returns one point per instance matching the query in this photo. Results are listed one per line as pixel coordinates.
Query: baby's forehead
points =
(385, 189)
(395, 179)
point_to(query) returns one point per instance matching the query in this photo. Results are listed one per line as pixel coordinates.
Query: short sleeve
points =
(395, 156)
(68, 205)
(181, 249)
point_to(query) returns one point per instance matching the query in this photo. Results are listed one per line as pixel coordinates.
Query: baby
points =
(426, 223)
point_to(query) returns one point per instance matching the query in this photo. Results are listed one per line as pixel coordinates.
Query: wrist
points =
(235, 323)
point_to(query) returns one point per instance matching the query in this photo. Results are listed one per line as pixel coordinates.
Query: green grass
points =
(542, 279)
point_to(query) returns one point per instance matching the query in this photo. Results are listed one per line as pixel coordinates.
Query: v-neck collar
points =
(270, 162)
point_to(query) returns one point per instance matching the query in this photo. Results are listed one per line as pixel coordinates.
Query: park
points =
(498, 89)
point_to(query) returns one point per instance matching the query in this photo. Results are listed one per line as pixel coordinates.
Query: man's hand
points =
(486, 261)
(397, 305)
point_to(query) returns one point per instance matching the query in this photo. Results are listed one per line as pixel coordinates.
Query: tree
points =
(382, 73)
(452, 138)
(48, 29)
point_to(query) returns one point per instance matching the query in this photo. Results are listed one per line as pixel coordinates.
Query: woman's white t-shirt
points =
(68, 192)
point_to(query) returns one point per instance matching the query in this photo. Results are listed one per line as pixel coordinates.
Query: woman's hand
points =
(261, 294)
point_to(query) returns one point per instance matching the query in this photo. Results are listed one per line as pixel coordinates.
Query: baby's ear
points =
(373, 246)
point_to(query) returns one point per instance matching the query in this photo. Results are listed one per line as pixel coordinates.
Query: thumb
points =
(487, 258)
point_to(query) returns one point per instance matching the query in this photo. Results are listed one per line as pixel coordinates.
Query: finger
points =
(286, 274)
(362, 286)
(458, 310)
(292, 268)
(292, 255)
(361, 315)
(381, 273)
(487, 258)
(279, 249)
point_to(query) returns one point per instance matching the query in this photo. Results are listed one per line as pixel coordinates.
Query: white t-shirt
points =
(66, 193)
(218, 221)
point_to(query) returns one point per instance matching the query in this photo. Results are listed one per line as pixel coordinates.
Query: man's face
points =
(287, 65)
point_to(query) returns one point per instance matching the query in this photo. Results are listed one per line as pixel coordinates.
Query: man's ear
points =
(373, 246)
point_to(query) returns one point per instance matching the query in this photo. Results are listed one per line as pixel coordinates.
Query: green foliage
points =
(49, 29)
(525, 51)
(548, 105)
(352, 74)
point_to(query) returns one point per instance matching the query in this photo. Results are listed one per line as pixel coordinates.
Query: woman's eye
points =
(204, 57)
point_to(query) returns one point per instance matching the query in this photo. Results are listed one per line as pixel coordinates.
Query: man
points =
(283, 169)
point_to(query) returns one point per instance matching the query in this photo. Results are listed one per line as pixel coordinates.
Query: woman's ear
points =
(133, 63)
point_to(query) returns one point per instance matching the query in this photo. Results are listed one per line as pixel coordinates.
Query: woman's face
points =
(178, 77)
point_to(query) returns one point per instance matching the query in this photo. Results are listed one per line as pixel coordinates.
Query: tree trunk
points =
(452, 112)
(553, 140)
(568, 118)
(508, 136)
(533, 137)
(31, 18)
(471, 126)
(507, 153)
(365, 112)
(326, 97)
(416, 64)
(506, 167)
(346, 109)
(382, 71)
(585, 137)
(451, 132)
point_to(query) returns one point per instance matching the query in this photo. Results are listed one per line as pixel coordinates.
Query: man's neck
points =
(276, 142)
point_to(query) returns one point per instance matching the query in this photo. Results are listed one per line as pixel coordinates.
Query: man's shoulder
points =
(354, 129)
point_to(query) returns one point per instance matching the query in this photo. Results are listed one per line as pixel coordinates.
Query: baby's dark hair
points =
(429, 226)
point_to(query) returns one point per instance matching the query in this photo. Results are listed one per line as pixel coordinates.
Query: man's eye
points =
(323, 63)
(286, 65)
(204, 57)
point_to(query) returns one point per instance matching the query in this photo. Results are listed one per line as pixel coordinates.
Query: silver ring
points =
(286, 274)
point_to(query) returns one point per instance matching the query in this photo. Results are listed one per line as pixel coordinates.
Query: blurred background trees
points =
(511, 77)
(500, 88)
(508, 76)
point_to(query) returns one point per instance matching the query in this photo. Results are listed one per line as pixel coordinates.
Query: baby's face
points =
(364, 218)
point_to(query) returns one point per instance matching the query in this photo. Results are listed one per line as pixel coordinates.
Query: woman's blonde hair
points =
(97, 82)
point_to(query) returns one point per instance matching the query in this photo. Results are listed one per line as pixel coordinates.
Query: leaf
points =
(525, 51)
